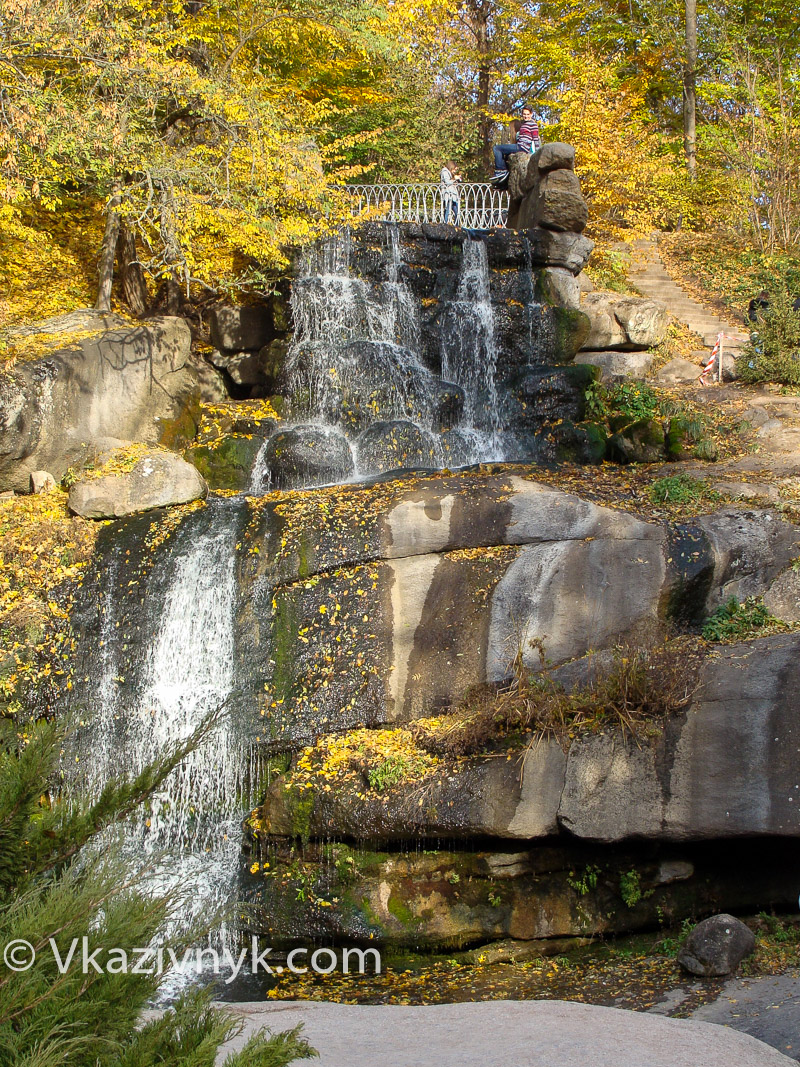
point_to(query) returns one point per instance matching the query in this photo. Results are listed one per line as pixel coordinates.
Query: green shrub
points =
(388, 773)
(630, 888)
(773, 352)
(736, 620)
(635, 400)
(59, 881)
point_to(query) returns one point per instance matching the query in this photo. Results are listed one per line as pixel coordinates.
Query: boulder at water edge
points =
(308, 455)
(158, 480)
(717, 946)
(386, 446)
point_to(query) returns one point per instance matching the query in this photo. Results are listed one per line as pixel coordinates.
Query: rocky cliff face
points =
(381, 606)
(79, 400)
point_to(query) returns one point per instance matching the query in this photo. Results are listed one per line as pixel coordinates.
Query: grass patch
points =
(632, 695)
(681, 489)
(737, 621)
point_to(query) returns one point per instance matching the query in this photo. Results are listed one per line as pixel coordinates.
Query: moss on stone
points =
(227, 463)
(400, 911)
(179, 432)
(571, 327)
(284, 642)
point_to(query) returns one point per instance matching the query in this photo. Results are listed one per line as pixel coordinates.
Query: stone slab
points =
(766, 1008)
(503, 1034)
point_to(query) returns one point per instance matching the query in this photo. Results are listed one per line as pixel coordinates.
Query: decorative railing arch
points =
(480, 205)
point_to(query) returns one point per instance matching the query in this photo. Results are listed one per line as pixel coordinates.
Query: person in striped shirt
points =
(528, 140)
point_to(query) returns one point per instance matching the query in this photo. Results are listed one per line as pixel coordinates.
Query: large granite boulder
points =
(723, 768)
(559, 286)
(560, 204)
(644, 321)
(82, 398)
(560, 249)
(467, 570)
(386, 446)
(244, 368)
(239, 328)
(782, 598)
(545, 191)
(157, 480)
(618, 365)
(623, 322)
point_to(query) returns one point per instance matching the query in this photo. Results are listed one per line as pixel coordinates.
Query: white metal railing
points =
(480, 205)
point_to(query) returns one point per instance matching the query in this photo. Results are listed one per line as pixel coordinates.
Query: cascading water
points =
(183, 671)
(469, 354)
(355, 364)
(354, 354)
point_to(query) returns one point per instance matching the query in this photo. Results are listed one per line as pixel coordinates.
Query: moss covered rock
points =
(570, 331)
(227, 462)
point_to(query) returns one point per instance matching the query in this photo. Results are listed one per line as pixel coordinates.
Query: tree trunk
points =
(690, 89)
(108, 249)
(479, 23)
(134, 287)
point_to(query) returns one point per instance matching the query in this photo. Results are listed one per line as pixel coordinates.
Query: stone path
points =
(505, 1033)
(650, 277)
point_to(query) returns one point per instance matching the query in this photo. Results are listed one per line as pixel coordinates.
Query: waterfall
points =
(469, 354)
(179, 672)
(356, 366)
(354, 356)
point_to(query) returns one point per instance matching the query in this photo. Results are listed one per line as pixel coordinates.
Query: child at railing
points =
(449, 187)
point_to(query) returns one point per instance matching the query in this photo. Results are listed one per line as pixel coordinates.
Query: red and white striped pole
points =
(712, 359)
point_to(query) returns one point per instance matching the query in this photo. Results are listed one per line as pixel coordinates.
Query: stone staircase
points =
(649, 276)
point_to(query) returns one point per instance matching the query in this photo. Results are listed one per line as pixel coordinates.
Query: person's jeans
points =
(451, 209)
(501, 154)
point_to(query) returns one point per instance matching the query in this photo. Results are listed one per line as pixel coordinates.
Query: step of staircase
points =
(650, 277)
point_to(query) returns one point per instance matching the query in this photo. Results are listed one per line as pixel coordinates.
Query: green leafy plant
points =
(630, 888)
(585, 882)
(636, 400)
(735, 620)
(388, 773)
(596, 397)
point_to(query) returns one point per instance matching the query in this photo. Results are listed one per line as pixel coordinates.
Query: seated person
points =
(528, 140)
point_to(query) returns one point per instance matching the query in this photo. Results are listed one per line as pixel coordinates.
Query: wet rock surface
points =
(308, 455)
